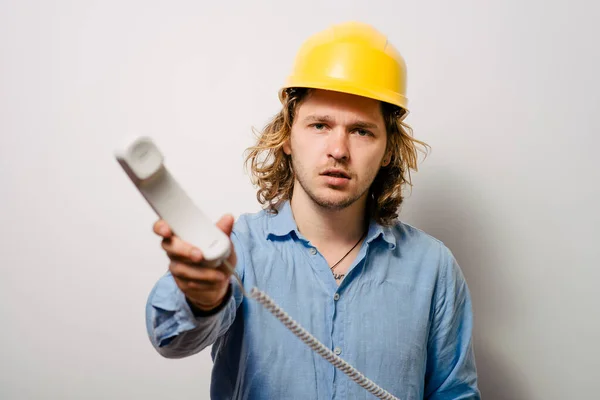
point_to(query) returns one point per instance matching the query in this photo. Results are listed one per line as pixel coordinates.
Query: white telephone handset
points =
(143, 163)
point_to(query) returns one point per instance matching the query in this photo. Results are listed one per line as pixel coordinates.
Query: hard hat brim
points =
(339, 85)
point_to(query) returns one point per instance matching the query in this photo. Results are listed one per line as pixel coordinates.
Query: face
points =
(337, 146)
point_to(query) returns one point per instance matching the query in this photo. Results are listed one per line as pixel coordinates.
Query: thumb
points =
(226, 224)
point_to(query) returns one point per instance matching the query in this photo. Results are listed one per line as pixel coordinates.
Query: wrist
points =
(203, 310)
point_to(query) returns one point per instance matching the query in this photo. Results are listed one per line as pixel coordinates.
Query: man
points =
(328, 248)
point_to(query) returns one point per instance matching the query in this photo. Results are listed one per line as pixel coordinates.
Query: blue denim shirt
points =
(402, 316)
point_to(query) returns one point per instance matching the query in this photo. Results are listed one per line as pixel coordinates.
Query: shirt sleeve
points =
(173, 328)
(451, 370)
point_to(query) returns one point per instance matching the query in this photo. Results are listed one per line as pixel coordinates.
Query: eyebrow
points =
(328, 119)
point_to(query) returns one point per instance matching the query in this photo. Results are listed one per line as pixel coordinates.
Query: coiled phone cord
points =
(262, 298)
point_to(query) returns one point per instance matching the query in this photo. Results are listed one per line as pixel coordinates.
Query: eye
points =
(318, 126)
(363, 132)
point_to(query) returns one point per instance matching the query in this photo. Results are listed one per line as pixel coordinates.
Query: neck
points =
(326, 227)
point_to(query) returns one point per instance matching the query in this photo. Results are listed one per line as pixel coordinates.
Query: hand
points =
(204, 287)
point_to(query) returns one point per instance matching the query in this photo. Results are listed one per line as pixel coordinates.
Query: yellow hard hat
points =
(351, 57)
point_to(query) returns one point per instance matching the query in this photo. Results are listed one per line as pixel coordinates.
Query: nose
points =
(338, 145)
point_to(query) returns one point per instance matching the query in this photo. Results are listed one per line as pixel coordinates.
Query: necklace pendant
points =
(338, 276)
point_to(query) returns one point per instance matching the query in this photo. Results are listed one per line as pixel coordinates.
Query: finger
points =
(161, 228)
(201, 291)
(192, 273)
(199, 288)
(177, 249)
(225, 268)
(226, 224)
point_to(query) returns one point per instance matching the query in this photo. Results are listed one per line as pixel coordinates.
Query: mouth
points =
(336, 173)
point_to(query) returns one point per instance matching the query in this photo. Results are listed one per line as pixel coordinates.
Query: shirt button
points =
(313, 251)
(336, 296)
(337, 351)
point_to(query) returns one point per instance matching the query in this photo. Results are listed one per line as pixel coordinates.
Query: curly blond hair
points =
(271, 169)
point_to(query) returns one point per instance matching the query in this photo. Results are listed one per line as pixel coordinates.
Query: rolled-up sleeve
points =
(174, 330)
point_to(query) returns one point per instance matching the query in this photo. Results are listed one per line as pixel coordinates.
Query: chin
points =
(335, 202)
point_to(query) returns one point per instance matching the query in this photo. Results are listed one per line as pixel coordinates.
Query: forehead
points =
(340, 105)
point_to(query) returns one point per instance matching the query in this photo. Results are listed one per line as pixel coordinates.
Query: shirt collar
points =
(283, 223)
(376, 231)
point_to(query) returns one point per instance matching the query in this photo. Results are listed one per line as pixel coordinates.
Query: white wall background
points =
(507, 94)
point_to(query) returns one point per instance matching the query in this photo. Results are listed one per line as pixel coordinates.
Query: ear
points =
(386, 159)
(287, 149)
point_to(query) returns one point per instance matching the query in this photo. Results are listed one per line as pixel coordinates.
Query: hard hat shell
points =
(354, 58)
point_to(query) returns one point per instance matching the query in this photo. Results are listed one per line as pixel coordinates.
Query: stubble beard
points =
(323, 202)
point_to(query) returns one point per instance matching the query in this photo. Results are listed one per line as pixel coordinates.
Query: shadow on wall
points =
(456, 213)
